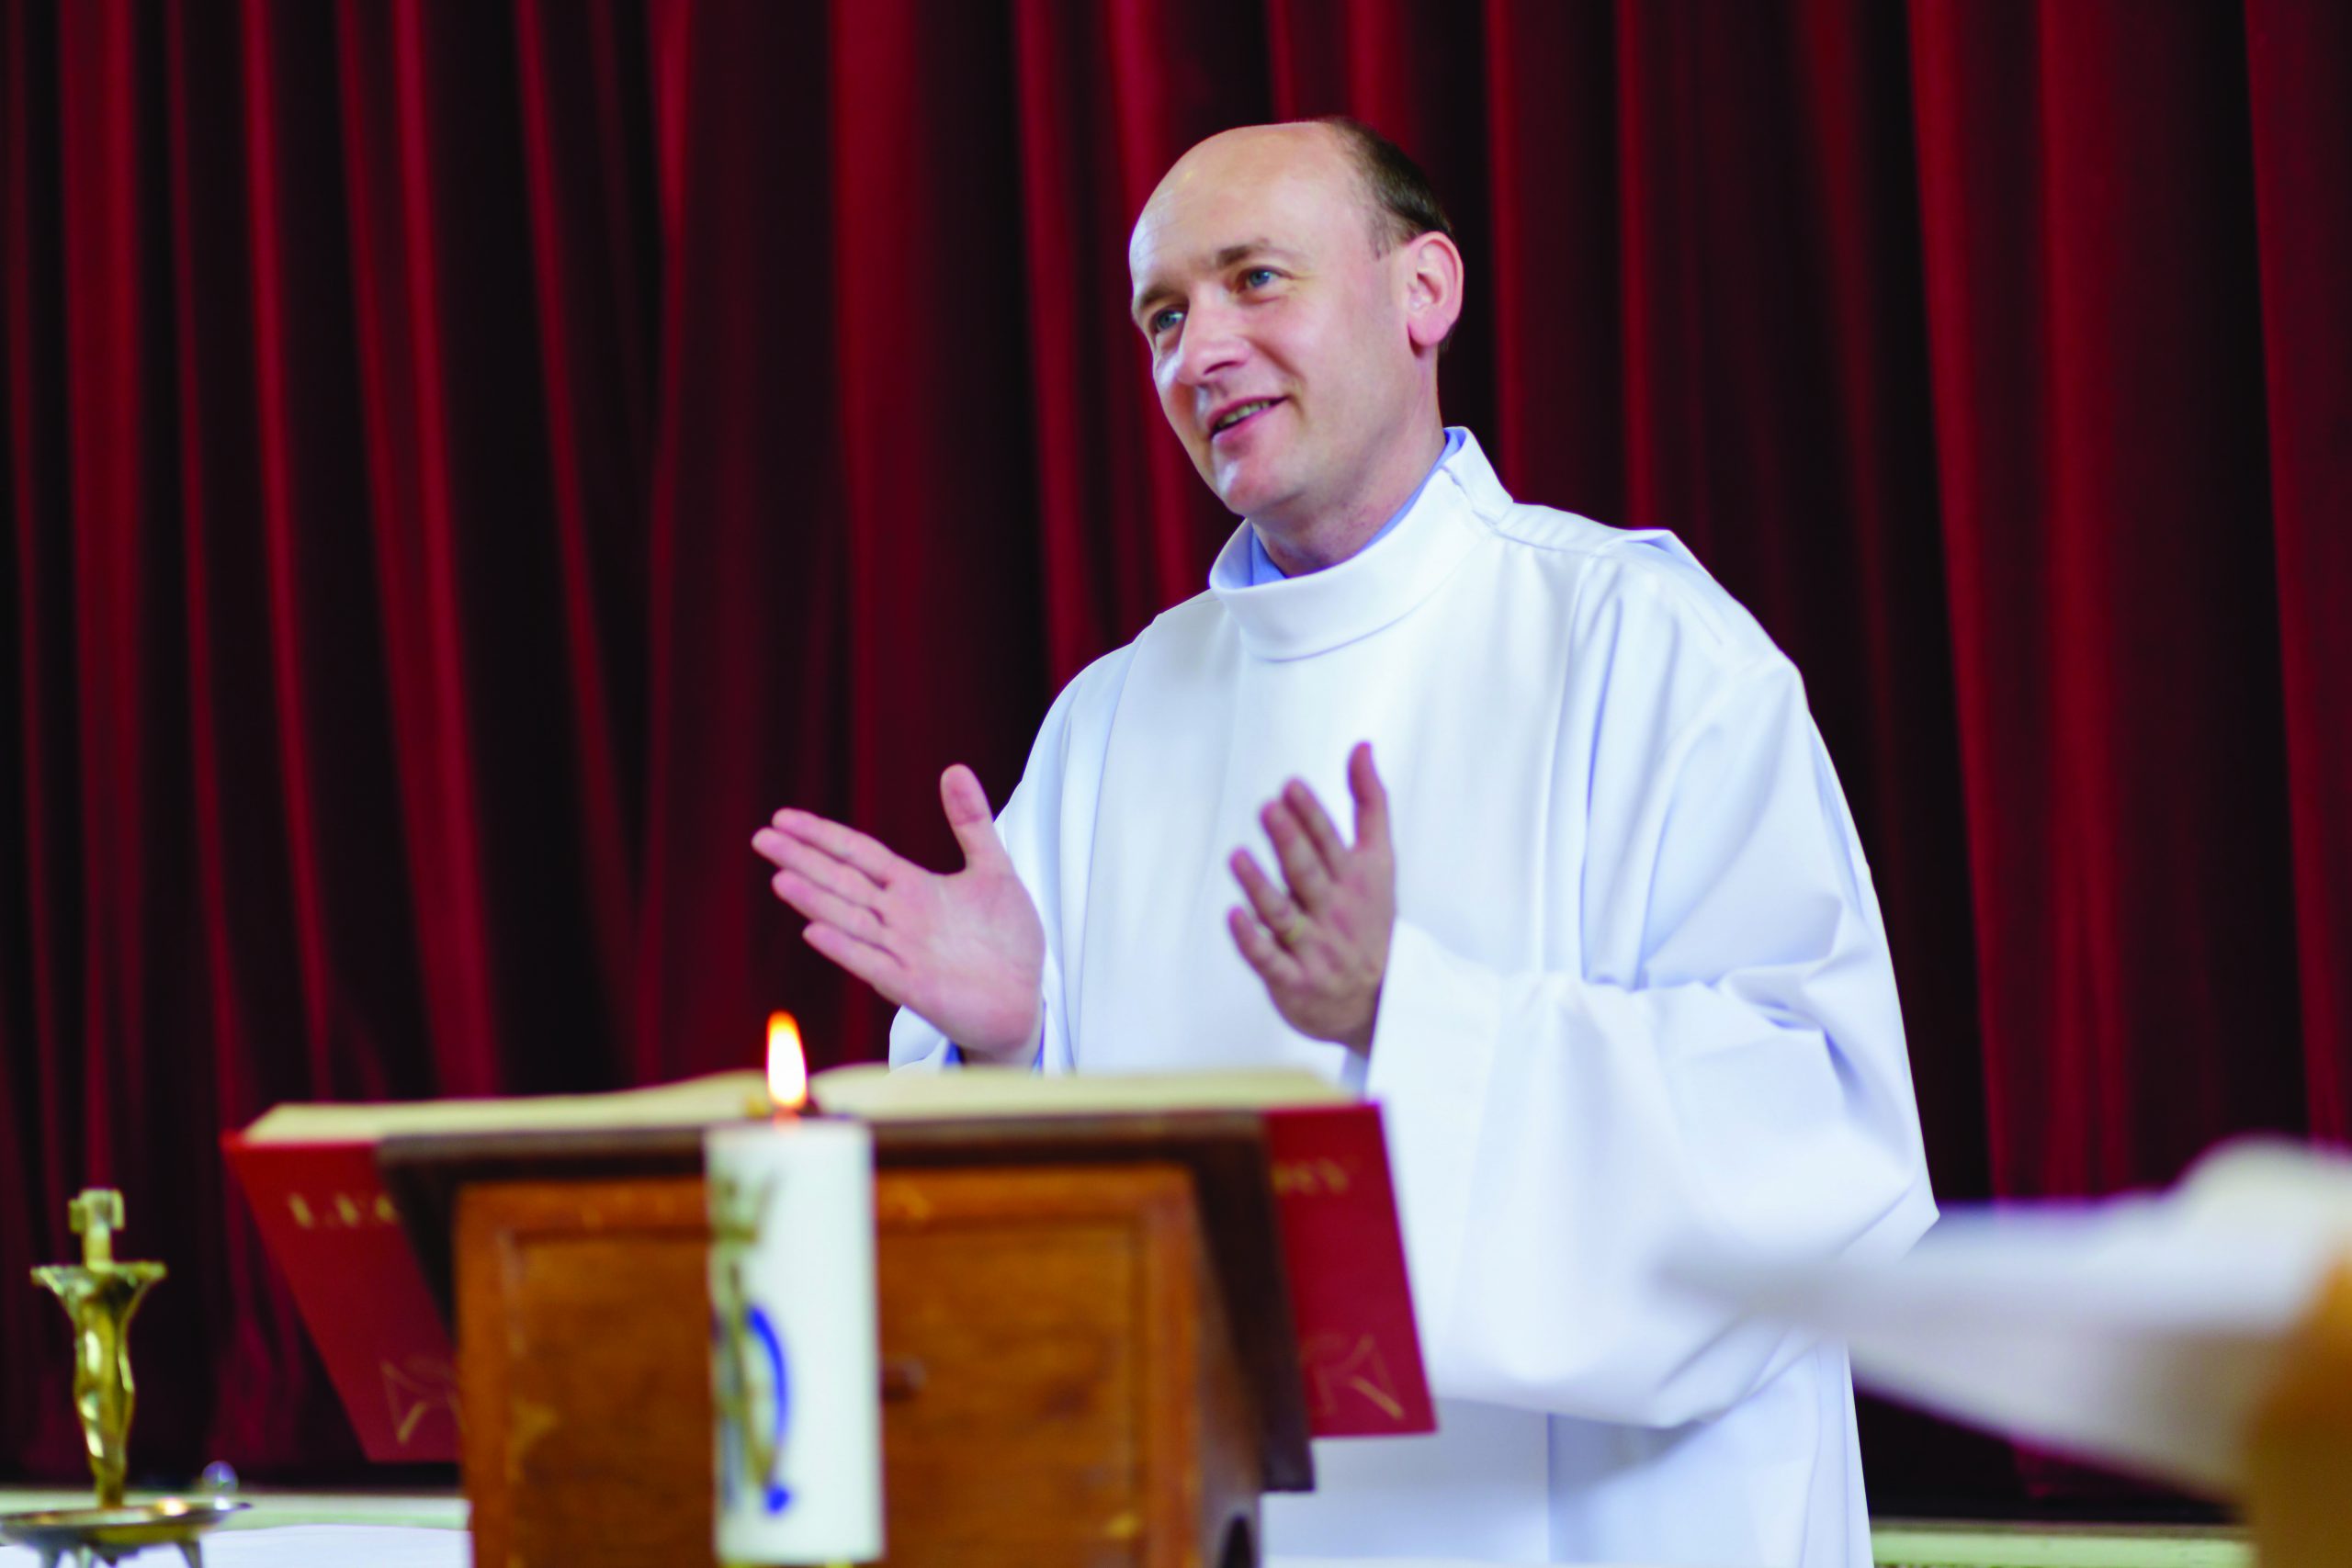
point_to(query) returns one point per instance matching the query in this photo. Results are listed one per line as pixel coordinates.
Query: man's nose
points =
(1211, 346)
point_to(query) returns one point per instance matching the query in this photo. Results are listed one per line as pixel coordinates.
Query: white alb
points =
(1638, 1001)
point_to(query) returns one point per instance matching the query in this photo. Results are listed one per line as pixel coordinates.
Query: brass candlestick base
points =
(81, 1536)
(100, 1295)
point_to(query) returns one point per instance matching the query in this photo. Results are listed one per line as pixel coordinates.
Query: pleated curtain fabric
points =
(466, 464)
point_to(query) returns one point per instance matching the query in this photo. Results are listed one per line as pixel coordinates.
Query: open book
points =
(1352, 1303)
(692, 1103)
(872, 1092)
(310, 1172)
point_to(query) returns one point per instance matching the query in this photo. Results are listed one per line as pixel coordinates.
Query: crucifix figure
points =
(100, 1295)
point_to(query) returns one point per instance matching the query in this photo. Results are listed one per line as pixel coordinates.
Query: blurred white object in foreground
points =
(2138, 1331)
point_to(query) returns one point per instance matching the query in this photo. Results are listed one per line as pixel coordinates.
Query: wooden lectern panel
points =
(1058, 1387)
(583, 1316)
(1060, 1324)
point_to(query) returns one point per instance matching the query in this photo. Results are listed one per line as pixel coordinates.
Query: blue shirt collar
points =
(1262, 568)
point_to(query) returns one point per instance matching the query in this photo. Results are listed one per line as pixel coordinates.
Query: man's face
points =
(1277, 332)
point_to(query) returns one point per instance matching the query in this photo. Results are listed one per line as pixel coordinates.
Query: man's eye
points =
(1257, 277)
(1163, 319)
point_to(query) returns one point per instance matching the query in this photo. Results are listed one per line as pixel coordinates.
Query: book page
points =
(875, 1093)
(692, 1103)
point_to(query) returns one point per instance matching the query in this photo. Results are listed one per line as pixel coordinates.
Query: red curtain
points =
(466, 464)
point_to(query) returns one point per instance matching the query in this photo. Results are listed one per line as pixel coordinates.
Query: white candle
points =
(794, 1360)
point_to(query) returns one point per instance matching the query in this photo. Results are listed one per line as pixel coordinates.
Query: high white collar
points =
(1318, 611)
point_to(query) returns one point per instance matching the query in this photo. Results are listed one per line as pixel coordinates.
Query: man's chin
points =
(1248, 493)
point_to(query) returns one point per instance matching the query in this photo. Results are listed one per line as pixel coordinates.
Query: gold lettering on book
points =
(1334, 1366)
(1318, 1177)
(341, 1211)
(425, 1384)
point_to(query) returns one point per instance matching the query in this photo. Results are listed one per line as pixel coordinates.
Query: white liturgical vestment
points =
(1638, 1002)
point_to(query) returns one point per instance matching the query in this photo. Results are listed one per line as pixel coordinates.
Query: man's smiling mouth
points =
(1241, 411)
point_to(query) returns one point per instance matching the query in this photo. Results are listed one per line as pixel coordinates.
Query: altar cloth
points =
(412, 1546)
(409, 1545)
(359, 1529)
(418, 1529)
(303, 1546)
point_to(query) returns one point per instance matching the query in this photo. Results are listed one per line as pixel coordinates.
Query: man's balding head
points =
(1399, 198)
(1399, 202)
(1293, 319)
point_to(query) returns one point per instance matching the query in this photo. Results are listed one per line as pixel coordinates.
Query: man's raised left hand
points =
(1320, 938)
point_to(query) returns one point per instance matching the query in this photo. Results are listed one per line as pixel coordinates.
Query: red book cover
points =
(336, 1237)
(329, 1223)
(1349, 1296)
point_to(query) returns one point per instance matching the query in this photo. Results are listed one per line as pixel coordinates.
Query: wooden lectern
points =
(1086, 1340)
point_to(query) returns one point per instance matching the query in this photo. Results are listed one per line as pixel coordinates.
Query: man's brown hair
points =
(1403, 204)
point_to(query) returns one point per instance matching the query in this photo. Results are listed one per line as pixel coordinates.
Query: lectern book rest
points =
(1086, 1348)
(311, 1174)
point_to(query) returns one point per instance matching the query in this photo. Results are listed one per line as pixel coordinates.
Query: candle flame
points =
(787, 1066)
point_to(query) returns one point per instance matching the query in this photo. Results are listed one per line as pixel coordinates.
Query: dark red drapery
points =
(465, 464)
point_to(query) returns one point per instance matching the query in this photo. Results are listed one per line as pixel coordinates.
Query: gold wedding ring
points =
(1290, 930)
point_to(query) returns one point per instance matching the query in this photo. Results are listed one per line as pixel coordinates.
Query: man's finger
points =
(1273, 961)
(868, 963)
(1273, 906)
(824, 904)
(1309, 878)
(1371, 798)
(842, 880)
(967, 804)
(845, 844)
(1318, 822)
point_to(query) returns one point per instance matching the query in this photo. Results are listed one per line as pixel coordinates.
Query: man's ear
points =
(1433, 272)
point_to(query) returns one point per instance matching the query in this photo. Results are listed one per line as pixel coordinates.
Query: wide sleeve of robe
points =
(1043, 825)
(1720, 1065)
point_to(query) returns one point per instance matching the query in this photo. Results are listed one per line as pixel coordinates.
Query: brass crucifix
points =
(100, 1294)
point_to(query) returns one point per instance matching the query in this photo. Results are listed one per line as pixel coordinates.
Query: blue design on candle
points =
(743, 1336)
(776, 1495)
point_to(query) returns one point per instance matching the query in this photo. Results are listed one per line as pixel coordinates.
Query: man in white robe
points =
(1602, 941)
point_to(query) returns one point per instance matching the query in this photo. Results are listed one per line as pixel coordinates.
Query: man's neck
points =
(1302, 547)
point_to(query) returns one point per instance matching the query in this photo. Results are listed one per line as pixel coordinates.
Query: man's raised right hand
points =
(964, 951)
